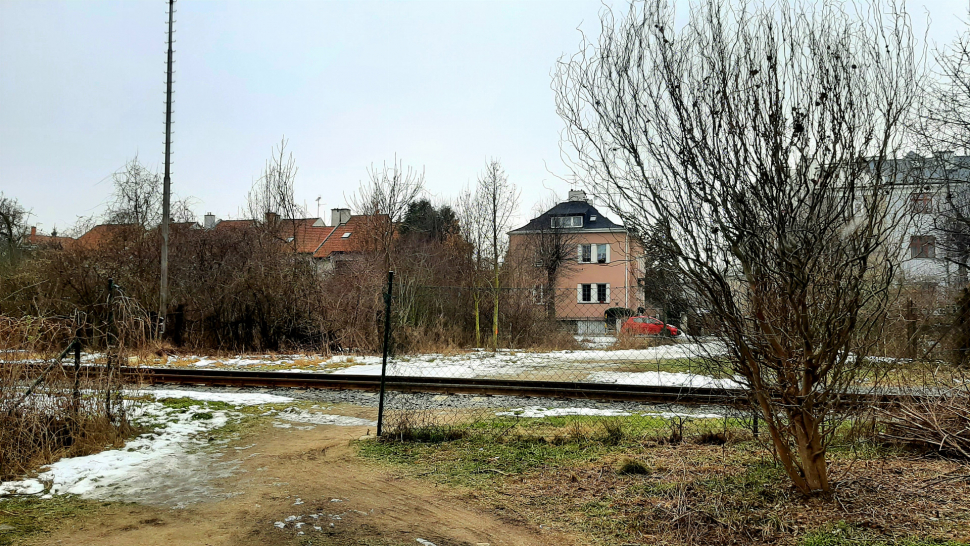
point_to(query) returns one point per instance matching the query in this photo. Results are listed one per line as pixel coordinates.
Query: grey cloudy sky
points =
(443, 85)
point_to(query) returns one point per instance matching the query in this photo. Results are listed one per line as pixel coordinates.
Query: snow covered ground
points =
(587, 364)
(538, 412)
(174, 465)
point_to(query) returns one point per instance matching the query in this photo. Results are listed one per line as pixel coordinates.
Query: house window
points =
(921, 203)
(345, 235)
(922, 246)
(567, 221)
(602, 252)
(593, 293)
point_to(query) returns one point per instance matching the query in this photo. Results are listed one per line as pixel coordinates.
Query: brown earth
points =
(375, 505)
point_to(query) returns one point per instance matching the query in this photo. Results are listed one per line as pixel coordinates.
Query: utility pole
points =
(167, 180)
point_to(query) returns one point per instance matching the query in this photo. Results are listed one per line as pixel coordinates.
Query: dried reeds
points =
(50, 404)
(936, 418)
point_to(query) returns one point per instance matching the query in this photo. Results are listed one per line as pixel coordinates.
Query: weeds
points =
(26, 517)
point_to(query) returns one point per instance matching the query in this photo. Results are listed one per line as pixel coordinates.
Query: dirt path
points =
(299, 474)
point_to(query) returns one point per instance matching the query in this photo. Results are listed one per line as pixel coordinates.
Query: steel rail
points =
(476, 386)
(472, 386)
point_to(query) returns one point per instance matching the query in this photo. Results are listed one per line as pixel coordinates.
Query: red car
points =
(648, 326)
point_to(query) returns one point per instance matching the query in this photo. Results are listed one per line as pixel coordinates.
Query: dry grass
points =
(705, 488)
(625, 341)
(938, 423)
(46, 410)
(694, 494)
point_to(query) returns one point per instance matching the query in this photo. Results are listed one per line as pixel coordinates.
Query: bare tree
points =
(383, 202)
(497, 200)
(546, 253)
(13, 230)
(273, 192)
(758, 143)
(137, 196)
(943, 132)
(474, 230)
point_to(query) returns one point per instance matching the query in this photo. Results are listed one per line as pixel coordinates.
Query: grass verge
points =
(23, 518)
(632, 489)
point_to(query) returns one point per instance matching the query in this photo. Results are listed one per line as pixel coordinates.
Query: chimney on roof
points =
(33, 231)
(210, 221)
(339, 216)
(271, 218)
(577, 195)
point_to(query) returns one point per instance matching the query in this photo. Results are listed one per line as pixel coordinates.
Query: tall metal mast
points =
(167, 180)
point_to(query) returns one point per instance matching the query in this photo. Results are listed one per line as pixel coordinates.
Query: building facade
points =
(585, 261)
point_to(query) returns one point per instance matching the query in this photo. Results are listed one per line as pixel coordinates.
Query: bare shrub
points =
(49, 410)
(936, 419)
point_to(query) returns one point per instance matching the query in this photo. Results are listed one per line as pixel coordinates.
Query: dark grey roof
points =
(570, 208)
(939, 169)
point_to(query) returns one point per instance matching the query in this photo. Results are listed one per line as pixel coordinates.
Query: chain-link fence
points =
(599, 348)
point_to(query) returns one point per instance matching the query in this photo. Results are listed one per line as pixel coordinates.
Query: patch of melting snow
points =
(671, 414)
(665, 379)
(23, 487)
(164, 467)
(489, 364)
(538, 411)
(237, 398)
(302, 416)
(424, 542)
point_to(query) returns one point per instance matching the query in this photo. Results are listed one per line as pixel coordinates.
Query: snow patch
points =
(236, 398)
(666, 379)
(537, 412)
(302, 416)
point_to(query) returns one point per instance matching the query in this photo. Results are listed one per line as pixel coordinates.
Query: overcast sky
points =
(444, 86)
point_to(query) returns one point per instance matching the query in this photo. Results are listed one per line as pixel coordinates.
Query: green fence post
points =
(387, 337)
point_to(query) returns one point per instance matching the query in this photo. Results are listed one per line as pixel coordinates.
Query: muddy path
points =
(308, 487)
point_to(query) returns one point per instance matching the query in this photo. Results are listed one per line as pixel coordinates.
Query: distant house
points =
(303, 235)
(604, 268)
(350, 239)
(40, 240)
(929, 192)
(109, 234)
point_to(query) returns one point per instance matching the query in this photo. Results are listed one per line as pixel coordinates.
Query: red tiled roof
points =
(340, 241)
(49, 240)
(234, 224)
(309, 233)
(104, 233)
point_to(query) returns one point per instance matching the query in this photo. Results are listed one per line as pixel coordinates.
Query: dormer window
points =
(567, 221)
(592, 218)
(345, 235)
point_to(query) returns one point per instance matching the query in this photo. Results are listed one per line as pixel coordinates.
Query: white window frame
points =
(593, 292)
(566, 222)
(593, 249)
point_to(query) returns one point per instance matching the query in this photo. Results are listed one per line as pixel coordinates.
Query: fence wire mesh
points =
(585, 338)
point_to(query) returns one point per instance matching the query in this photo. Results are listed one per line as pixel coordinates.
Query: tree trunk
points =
(495, 312)
(478, 325)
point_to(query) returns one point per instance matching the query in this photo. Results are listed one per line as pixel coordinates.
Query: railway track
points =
(688, 396)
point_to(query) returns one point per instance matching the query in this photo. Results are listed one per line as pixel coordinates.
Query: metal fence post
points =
(387, 337)
(77, 377)
(108, 345)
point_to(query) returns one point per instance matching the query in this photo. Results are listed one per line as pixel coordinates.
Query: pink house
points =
(602, 268)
